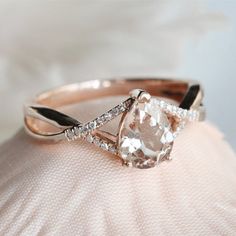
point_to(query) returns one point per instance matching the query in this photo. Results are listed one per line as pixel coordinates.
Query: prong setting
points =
(140, 95)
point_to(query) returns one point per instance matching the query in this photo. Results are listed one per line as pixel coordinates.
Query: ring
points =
(151, 117)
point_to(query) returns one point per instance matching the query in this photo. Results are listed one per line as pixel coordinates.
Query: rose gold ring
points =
(151, 117)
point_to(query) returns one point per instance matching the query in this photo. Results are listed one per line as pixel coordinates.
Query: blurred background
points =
(47, 43)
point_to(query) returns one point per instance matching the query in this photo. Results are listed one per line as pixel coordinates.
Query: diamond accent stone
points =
(104, 146)
(100, 120)
(90, 138)
(77, 131)
(97, 141)
(114, 112)
(69, 134)
(145, 135)
(112, 148)
(92, 125)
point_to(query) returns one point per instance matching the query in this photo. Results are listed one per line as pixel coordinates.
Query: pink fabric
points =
(77, 189)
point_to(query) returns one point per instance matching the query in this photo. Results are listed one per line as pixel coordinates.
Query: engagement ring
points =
(151, 117)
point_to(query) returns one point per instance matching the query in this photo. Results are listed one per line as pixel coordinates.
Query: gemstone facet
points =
(145, 135)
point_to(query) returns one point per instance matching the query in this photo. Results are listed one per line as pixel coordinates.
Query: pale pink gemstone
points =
(145, 136)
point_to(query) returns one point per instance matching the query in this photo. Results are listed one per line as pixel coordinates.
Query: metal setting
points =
(150, 119)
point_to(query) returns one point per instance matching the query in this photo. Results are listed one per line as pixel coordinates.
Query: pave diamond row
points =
(99, 142)
(84, 130)
(102, 143)
(189, 115)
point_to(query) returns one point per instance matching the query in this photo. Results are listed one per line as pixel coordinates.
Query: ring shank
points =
(188, 94)
(78, 92)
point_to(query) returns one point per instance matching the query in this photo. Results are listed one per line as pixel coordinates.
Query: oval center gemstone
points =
(145, 135)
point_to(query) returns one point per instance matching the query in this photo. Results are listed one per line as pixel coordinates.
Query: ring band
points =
(152, 116)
